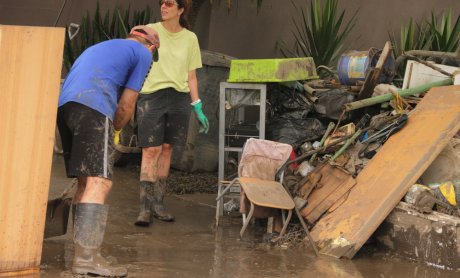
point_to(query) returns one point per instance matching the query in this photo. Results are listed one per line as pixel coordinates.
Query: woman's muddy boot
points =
(157, 207)
(146, 189)
(89, 229)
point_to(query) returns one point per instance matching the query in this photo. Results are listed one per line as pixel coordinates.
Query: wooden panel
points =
(418, 74)
(388, 176)
(332, 186)
(30, 70)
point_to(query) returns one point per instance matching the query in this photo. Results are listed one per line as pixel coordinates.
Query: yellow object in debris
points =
(448, 191)
(346, 130)
(116, 136)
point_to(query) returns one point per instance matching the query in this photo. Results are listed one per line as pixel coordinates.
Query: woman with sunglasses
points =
(163, 109)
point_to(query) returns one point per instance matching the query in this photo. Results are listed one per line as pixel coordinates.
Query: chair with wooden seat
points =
(260, 161)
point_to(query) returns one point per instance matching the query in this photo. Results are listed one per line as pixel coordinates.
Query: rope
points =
(398, 103)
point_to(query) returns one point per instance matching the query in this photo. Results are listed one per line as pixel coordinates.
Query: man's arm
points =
(125, 109)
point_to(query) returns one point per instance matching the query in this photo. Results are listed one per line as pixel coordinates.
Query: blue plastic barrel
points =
(353, 66)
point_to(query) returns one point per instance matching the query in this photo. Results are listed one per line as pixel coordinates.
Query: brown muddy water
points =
(192, 247)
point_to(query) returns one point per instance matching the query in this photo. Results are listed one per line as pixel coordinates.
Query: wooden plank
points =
(30, 71)
(388, 176)
(373, 76)
(334, 183)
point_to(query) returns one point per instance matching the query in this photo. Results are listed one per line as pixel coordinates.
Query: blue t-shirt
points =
(99, 75)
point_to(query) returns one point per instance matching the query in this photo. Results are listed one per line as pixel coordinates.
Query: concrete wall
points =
(243, 32)
(47, 12)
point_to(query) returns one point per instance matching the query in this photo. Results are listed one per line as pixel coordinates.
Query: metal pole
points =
(387, 97)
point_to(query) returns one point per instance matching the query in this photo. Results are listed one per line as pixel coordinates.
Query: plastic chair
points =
(260, 161)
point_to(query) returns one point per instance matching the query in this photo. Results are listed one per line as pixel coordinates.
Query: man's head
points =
(150, 36)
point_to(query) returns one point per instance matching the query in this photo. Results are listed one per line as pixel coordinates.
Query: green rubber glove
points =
(198, 108)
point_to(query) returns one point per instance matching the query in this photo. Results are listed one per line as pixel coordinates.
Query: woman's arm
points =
(193, 85)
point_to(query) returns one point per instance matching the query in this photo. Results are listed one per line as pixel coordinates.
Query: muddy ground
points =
(192, 247)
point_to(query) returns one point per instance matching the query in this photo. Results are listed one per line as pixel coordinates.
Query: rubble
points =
(380, 138)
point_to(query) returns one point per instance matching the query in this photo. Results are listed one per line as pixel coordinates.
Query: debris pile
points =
(360, 143)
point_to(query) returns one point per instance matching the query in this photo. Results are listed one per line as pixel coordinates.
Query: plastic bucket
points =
(352, 67)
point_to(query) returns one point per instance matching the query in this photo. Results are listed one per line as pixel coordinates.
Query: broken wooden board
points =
(334, 184)
(388, 176)
(373, 76)
(30, 72)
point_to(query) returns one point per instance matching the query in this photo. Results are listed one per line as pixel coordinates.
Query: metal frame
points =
(262, 87)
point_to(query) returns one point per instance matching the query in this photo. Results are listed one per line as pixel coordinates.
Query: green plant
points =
(320, 33)
(436, 34)
(97, 28)
(445, 36)
(413, 36)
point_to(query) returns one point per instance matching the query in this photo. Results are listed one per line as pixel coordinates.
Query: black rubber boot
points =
(145, 199)
(157, 208)
(89, 228)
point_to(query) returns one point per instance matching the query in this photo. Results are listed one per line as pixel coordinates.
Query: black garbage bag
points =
(294, 131)
(283, 100)
(330, 103)
(295, 115)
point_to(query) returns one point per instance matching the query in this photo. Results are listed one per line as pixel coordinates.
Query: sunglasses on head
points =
(168, 3)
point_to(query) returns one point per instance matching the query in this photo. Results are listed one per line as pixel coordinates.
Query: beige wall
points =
(243, 32)
(45, 12)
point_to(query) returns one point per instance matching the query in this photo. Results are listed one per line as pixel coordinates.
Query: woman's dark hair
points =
(183, 20)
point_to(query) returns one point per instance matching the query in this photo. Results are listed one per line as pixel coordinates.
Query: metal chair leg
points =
(248, 219)
(220, 200)
(286, 222)
(304, 225)
(226, 189)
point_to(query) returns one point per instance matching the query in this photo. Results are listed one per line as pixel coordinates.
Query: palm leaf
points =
(319, 32)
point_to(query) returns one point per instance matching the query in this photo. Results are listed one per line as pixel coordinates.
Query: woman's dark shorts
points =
(87, 141)
(163, 117)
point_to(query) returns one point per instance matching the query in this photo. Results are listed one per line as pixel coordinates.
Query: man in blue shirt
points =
(97, 99)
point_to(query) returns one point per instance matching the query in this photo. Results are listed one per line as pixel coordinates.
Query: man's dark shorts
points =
(163, 117)
(87, 141)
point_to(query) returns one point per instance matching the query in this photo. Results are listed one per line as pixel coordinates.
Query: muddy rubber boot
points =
(145, 193)
(157, 208)
(89, 228)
